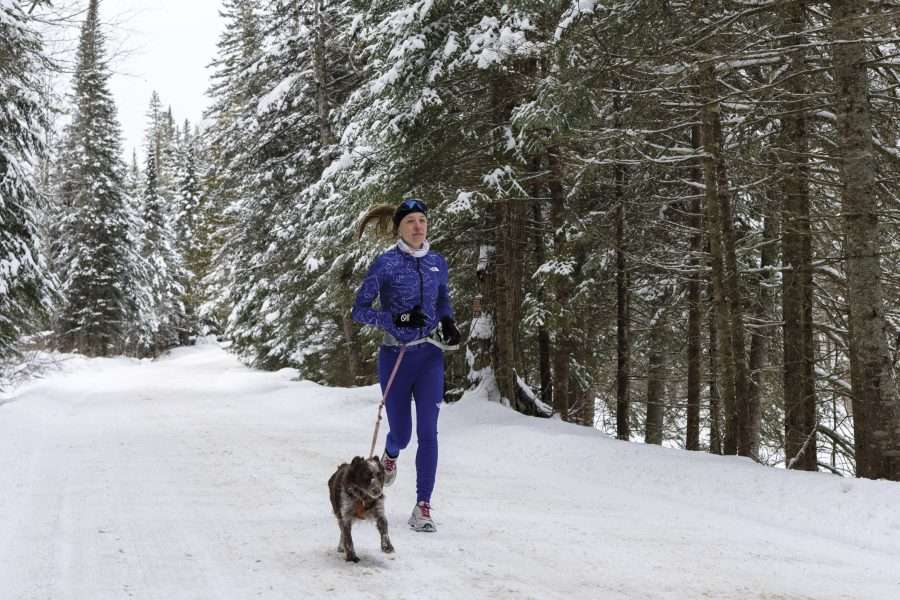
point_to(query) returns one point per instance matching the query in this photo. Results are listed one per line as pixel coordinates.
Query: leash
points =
(443, 347)
(387, 389)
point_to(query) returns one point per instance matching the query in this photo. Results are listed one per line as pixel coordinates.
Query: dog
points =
(356, 493)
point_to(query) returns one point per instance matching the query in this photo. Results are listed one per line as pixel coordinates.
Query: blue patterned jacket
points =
(400, 282)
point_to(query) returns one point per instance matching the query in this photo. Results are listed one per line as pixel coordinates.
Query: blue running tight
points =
(420, 377)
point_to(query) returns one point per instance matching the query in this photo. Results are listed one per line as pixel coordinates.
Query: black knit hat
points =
(407, 207)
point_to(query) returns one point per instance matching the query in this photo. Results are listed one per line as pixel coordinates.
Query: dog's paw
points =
(387, 547)
(352, 557)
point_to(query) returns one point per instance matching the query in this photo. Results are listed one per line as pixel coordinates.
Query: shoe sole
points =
(426, 528)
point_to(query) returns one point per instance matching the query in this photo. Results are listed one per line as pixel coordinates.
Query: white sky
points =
(161, 45)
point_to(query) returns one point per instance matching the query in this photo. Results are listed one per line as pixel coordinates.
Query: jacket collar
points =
(405, 249)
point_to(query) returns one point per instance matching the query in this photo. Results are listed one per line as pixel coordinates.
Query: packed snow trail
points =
(193, 477)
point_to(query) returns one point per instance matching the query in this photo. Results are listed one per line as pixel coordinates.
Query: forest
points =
(673, 221)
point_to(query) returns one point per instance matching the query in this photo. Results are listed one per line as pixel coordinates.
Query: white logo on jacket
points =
(435, 269)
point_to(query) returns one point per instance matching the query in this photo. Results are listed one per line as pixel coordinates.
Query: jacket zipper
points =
(421, 289)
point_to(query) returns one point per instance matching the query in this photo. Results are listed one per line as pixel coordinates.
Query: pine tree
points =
(876, 401)
(282, 232)
(437, 118)
(97, 259)
(25, 282)
(799, 359)
(234, 87)
(611, 171)
(161, 138)
(134, 178)
(164, 320)
(190, 238)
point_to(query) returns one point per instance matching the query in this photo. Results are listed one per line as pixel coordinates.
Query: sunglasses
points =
(414, 204)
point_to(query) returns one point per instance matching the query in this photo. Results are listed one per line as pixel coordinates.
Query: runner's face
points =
(413, 229)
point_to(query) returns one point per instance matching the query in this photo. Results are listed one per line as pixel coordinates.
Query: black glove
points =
(410, 318)
(449, 332)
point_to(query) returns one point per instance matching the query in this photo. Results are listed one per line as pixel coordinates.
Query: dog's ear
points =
(358, 467)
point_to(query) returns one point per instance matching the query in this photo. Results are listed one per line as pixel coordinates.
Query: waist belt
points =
(431, 338)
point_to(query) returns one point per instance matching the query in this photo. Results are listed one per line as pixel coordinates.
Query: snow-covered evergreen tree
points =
(161, 137)
(167, 157)
(190, 234)
(204, 239)
(288, 133)
(437, 117)
(163, 323)
(25, 282)
(134, 178)
(187, 190)
(99, 266)
(577, 157)
(234, 86)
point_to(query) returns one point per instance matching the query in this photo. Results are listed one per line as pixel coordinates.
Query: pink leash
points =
(387, 389)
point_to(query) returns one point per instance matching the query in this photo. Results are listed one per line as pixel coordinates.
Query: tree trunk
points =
(656, 377)
(511, 244)
(694, 350)
(710, 134)
(588, 413)
(715, 402)
(876, 407)
(353, 357)
(544, 365)
(562, 392)
(799, 382)
(759, 336)
(480, 341)
(732, 288)
(500, 272)
(540, 255)
(623, 325)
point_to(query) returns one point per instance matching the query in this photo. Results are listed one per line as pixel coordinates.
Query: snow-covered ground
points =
(193, 477)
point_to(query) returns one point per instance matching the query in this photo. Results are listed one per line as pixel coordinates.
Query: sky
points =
(162, 45)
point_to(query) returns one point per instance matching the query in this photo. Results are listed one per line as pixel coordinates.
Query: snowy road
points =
(192, 477)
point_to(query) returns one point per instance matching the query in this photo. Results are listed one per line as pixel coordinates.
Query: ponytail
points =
(383, 216)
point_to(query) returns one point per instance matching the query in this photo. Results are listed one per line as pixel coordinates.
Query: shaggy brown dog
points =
(356, 493)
